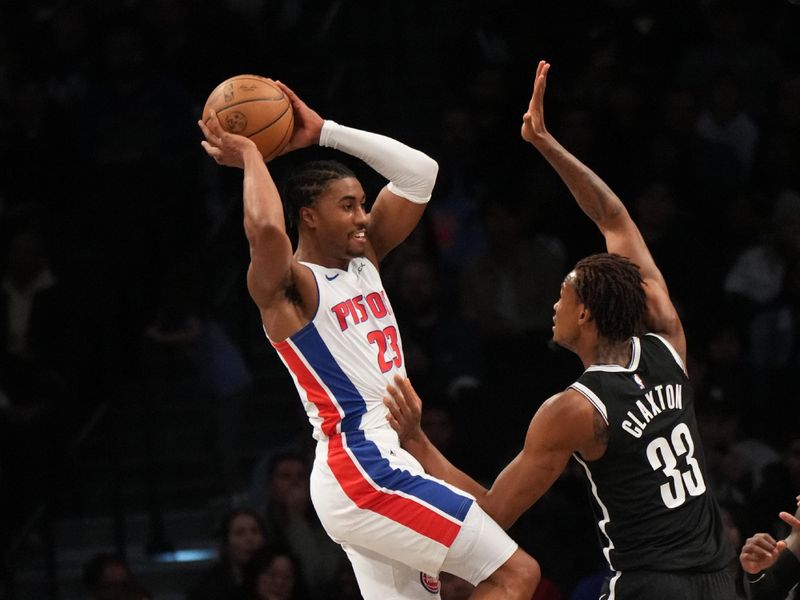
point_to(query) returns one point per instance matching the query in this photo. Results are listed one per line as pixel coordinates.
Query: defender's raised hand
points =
(533, 127)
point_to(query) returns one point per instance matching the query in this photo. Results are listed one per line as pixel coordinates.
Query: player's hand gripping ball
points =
(255, 107)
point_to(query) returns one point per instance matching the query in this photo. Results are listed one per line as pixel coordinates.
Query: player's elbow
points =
(429, 173)
(429, 169)
(417, 184)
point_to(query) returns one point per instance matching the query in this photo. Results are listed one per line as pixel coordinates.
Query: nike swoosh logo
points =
(332, 277)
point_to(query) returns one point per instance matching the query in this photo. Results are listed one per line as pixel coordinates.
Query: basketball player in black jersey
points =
(628, 420)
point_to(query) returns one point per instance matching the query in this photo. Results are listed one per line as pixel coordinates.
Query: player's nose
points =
(360, 216)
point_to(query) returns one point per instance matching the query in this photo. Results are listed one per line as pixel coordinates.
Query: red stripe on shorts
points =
(413, 515)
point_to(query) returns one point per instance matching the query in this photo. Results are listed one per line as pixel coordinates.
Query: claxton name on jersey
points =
(357, 310)
(653, 403)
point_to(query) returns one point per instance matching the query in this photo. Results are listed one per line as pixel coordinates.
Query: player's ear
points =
(584, 315)
(308, 216)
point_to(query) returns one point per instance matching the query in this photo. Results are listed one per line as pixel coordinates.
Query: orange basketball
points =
(255, 107)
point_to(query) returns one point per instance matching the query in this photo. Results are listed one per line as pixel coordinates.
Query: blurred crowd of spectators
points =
(117, 231)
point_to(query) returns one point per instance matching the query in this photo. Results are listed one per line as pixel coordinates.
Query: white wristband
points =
(411, 173)
(758, 578)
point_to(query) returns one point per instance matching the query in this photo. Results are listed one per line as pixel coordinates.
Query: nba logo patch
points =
(638, 380)
(430, 582)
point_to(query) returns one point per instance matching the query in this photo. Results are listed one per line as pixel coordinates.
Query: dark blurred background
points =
(140, 401)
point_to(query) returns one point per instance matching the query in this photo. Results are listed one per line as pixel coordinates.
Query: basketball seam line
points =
(271, 123)
(235, 104)
(282, 142)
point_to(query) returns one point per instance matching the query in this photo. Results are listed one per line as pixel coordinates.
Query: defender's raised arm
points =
(607, 211)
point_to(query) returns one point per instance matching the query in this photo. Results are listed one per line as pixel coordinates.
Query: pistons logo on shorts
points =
(430, 582)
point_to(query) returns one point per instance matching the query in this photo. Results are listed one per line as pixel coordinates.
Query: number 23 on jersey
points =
(389, 354)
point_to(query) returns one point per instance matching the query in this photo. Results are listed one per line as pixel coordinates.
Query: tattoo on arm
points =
(600, 429)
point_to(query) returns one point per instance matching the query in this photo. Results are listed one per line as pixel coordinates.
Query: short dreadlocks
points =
(610, 286)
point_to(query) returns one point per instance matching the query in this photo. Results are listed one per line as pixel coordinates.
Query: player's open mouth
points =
(360, 235)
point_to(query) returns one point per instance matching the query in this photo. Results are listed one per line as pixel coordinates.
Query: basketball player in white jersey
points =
(325, 311)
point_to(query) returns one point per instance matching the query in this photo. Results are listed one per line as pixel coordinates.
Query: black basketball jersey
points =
(653, 505)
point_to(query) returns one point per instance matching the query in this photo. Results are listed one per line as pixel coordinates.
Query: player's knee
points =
(528, 573)
(519, 575)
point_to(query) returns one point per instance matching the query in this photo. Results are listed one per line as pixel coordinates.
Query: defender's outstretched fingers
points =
(392, 421)
(395, 402)
(790, 519)
(540, 86)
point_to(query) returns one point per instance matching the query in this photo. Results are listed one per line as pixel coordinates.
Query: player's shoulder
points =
(567, 419)
(567, 404)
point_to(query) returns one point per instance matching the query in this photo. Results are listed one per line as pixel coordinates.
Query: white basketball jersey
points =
(342, 360)
(396, 522)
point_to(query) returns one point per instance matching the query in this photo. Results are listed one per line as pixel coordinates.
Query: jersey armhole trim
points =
(593, 398)
(672, 351)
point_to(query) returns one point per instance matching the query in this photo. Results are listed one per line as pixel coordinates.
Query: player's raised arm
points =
(602, 205)
(270, 247)
(400, 205)
(411, 174)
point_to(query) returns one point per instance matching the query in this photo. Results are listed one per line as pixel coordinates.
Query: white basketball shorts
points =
(399, 526)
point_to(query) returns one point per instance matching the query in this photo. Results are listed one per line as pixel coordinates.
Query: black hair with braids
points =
(610, 286)
(304, 186)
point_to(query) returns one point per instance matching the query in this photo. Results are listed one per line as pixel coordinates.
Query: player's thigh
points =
(414, 523)
(480, 548)
(382, 578)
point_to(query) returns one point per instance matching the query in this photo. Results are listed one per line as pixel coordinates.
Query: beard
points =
(356, 250)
